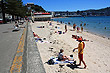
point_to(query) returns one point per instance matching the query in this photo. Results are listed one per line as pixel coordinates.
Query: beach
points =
(96, 52)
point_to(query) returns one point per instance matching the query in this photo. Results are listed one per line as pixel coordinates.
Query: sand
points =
(96, 52)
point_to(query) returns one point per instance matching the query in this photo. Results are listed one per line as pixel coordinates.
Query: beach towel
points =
(56, 61)
(42, 42)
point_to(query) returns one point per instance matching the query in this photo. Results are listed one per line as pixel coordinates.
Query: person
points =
(50, 24)
(61, 22)
(82, 38)
(61, 57)
(65, 28)
(80, 52)
(75, 36)
(32, 19)
(69, 23)
(81, 24)
(81, 29)
(84, 24)
(74, 26)
(16, 25)
(37, 37)
(78, 29)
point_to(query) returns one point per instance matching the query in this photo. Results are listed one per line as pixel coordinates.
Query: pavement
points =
(8, 45)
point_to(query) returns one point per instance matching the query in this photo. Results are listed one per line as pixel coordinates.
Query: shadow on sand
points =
(73, 66)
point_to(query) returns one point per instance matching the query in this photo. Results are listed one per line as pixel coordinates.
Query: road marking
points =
(18, 59)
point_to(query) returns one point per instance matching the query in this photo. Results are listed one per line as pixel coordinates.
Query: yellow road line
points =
(17, 62)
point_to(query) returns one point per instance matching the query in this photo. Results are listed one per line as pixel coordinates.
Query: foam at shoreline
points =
(95, 25)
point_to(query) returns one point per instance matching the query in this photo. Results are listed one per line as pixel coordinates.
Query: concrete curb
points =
(34, 62)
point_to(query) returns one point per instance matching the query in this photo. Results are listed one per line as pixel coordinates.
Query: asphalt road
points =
(8, 45)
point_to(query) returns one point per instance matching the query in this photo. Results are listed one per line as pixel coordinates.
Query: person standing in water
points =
(74, 26)
(65, 28)
(78, 29)
(81, 28)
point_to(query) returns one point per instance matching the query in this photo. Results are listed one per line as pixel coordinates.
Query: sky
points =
(70, 5)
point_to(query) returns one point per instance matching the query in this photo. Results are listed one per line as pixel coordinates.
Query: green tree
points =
(39, 9)
(15, 8)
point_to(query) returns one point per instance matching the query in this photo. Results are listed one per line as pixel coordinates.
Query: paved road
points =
(8, 44)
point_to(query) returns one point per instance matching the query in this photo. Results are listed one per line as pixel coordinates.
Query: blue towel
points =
(60, 62)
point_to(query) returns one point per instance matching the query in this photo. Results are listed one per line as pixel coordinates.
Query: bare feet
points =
(85, 67)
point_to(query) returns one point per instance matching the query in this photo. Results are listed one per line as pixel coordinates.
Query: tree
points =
(15, 8)
(3, 8)
(38, 9)
(78, 12)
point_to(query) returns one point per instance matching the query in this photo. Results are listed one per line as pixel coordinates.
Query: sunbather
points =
(82, 39)
(37, 37)
(77, 37)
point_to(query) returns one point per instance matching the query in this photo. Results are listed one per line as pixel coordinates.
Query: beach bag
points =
(51, 62)
(83, 45)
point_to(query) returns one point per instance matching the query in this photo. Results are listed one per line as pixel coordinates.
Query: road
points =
(8, 44)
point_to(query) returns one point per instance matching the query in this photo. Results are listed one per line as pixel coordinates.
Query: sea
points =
(99, 25)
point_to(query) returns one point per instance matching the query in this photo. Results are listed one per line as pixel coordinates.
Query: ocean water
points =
(94, 25)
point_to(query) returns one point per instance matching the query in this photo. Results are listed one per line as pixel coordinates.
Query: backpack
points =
(83, 45)
(51, 62)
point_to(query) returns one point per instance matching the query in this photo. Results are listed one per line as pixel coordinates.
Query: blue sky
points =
(70, 5)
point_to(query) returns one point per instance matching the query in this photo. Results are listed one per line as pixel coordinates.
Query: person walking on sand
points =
(80, 52)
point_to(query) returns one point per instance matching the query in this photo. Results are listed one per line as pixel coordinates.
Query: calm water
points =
(94, 25)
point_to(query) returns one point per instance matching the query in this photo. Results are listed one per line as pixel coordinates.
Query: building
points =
(40, 16)
(65, 14)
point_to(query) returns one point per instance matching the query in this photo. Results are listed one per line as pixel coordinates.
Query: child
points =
(61, 57)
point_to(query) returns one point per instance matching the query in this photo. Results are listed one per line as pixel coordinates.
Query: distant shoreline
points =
(79, 16)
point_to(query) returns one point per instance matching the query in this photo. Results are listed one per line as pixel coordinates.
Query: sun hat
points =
(79, 39)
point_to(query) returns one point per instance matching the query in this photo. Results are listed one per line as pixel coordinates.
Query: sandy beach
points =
(96, 52)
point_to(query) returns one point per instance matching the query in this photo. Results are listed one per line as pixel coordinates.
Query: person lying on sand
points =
(77, 37)
(37, 37)
(82, 39)
(40, 26)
